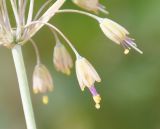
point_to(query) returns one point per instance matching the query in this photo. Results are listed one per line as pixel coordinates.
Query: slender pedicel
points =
(79, 12)
(55, 36)
(58, 31)
(41, 9)
(36, 51)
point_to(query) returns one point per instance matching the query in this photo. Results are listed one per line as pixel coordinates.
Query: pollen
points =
(35, 91)
(97, 106)
(45, 99)
(97, 100)
(126, 51)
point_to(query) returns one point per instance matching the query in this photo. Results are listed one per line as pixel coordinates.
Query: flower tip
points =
(97, 100)
(97, 106)
(99, 79)
(82, 87)
(45, 99)
(126, 51)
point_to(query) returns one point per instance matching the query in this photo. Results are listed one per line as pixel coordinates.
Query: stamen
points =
(126, 51)
(41, 9)
(126, 48)
(45, 99)
(102, 9)
(97, 100)
(36, 51)
(97, 106)
(93, 91)
(96, 97)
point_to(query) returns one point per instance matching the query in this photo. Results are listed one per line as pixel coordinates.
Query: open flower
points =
(118, 34)
(87, 76)
(62, 59)
(42, 81)
(90, 5)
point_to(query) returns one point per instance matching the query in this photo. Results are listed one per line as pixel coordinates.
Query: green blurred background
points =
(130, 86)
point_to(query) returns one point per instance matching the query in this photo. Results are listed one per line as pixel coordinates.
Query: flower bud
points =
(42, 80)
(118, 34)
(62, 59)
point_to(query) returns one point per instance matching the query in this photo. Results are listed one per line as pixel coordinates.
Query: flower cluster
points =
(26, 28)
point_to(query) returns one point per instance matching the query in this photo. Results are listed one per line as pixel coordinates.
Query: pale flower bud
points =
(62, 59)
(42, 80)
(86, 74)
(90, 5)
(118, 34)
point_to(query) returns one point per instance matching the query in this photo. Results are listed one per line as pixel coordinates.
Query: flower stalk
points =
(24, 87)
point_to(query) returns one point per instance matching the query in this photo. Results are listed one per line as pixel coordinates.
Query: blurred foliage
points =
(130, 88)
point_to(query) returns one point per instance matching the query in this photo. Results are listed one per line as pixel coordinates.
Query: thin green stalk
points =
(79, 12)
(24, 87)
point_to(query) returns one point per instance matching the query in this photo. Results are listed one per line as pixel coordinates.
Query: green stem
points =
(24, 87)
(79, 12)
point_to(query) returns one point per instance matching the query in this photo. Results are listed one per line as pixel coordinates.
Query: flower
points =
(62, 59)
(90, 5)
(86, 74)
(42, 81)
(118, 34)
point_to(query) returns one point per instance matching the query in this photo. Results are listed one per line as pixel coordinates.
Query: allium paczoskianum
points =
(15, 36)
